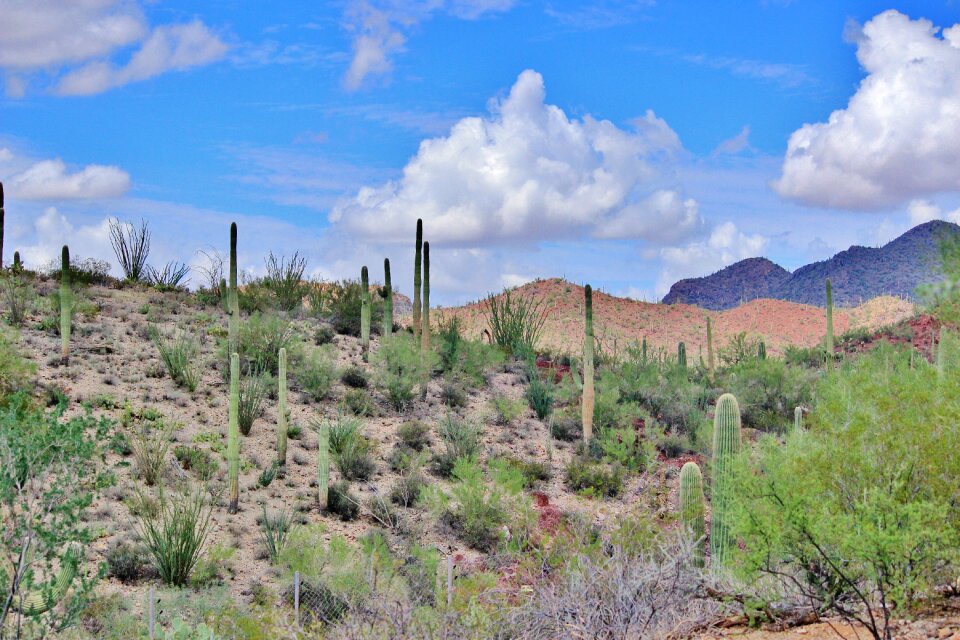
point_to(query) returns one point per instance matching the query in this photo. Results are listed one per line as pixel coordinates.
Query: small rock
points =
(944, 633)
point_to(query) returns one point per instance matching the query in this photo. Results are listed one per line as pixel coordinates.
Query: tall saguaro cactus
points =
(829, 321)
(387, 300)
(692, 508)
(710, 360)
(588, 392)
(66, 304)
(365, 311)
(233, 302)
(416, 279)
(682, 355)
(17, 264)
(323, 464)
(762, 350)
(233, 434)
(425, 320)
(726, 446)
(282, 411)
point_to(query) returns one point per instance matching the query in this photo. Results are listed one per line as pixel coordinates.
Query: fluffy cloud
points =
(921, 211)
(899, 136)
(51, 180)
(377, 29)
(726, 245)
(528, 173)
(73, 44)
(52, 230)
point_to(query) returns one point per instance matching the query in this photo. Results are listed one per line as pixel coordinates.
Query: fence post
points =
(151, 612)
(296, 598)
(449, 580)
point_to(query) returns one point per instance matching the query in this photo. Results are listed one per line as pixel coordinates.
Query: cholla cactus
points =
(692, 508)
(726, 446)
(66, 304)
(589, 398)
(233, 435)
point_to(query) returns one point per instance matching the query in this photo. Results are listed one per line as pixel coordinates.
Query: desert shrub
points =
(453, 395)
(176, 534)
(342, 430)
(478, 510)
(354, 377)
(15, 371)
(324, 334)
(253, 390)
(199, 461)
(214, 566)
(359, 403)
(274, 532)
(172, 277)
(150, 442)
(592, 478)
(508, 409)
(284, 280)
(810, 357)
(539, 394)
(179, 356)
(407, 489)
(400, 367)
(414, 434)
(819, 513)
(83, 271)
(768, 391)
(673, 445)
(268, 475)
(461, 439)
(128, 561)
(625, 448)
(381, 510)
(344, 306)
(260, 339)
(341, 502)
(566, 425)
(316, 374)
(253, 296)
(353, 459)
(740, 348)
(449, 341)
(515, 322)
(18, 297)
(532, 471)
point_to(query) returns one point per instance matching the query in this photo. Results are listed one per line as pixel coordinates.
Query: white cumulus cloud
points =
(898, 137)
(526, 173)
(52, 180)
(921, 211)
(726, 245)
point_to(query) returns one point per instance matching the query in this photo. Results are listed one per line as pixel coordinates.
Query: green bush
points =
(341, 502)
(284, 280)
(533, 472)
(342, 430)
(260, 339)
(593, 478)
(354, 377)
(625, 447)
(175, 535)
(275, 531)
(508, 409)
(253, 390)
(567, 425)
(344, 307)
(516, 323)
(400, 368)
(359, 403)
(414, 434)
(128, 561)
(353, 459)
(461, 439)
(768, 391)
(539, 395)
(316, 374)
(15, 371)
(179, 356)
(197, 460)
(453, 395)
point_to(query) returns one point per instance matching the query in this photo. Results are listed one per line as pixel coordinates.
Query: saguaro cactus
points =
(282, 410)
(364, 311)
(387, 300)
(762, 350)
(17, 264)
(233, 302)
(323, 464)
(66, 304)
(726, 446)
(829, 321)
(425, 320)
(682, 355)
(416, 279)
(588, 392)
(798, 419)
(233, 434)
(644, 349)
(40, 601)
(692, 508)
(710, 360)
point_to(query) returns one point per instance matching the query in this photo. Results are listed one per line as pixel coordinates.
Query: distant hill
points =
(857, 274)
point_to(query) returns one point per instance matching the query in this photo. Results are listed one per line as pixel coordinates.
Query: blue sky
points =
(627, 144)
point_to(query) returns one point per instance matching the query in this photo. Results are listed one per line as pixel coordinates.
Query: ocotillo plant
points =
(762, 350)
(66, 306)
(682, 355)
(798, 419)
(726, 446)
(588, 392)
(829, 321)
(233, 312)
(282, 410)
(2, 214)
(416, 279)
(425, 320)
(692, 508)
(323, 464)
(387, 300)
(710, 361)
(364, 311)
(233, 434)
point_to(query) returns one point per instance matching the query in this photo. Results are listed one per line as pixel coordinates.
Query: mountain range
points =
(857, 274)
